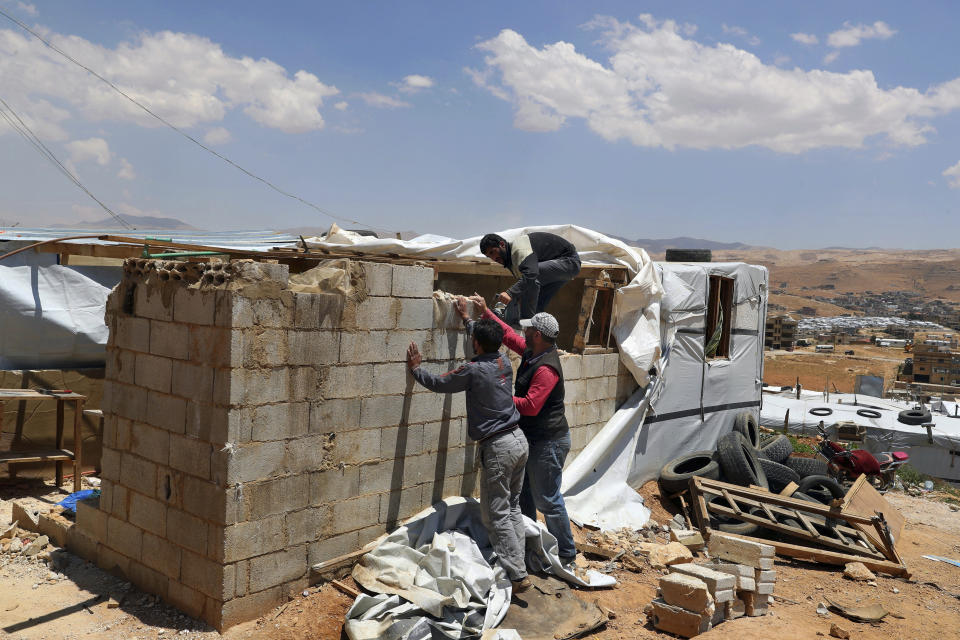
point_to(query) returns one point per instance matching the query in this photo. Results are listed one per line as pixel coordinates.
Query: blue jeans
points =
(541, 490)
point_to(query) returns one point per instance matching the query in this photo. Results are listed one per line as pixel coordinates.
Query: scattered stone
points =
(822, 610)
(692, 540)
(857, 571)
(687, 592)
(752, 554)
(837, 632)
(16, 546)
(665, 555)
(36, 546)
(676, 620)
(25, 518)
(895, 590)
(9, 532)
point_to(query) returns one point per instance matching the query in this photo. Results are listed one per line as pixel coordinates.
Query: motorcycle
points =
(846, 465)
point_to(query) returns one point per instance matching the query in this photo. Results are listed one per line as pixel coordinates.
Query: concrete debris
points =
(692, 540)
(678, 620)
(752, 554)
(665, 555)
(36, 546)
(16, 546)
(857, 571)
(25, 518)
(9, 532)
(838, 632)
(687, 592)
(822, 610)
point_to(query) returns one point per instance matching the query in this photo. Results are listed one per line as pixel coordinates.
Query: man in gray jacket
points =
(492, 421)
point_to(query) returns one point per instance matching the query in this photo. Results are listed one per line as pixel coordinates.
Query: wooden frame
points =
(596, 292)
(719, 298)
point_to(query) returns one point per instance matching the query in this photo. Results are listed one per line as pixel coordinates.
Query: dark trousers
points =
(552, 274)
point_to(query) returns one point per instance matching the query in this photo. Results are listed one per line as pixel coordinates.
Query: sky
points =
(790, 125)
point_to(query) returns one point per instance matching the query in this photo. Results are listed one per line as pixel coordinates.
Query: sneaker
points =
(519, 586)
(569, 564)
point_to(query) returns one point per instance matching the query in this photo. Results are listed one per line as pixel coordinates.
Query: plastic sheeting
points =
(51, 316)
(939, 458)
(437, 577)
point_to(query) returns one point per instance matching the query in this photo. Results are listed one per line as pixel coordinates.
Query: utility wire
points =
(178, 130)
(18, 125)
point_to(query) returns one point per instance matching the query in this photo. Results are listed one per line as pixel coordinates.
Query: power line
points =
(178, 130)
(18, 125)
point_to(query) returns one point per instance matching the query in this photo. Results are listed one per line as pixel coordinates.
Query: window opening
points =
(719, 318)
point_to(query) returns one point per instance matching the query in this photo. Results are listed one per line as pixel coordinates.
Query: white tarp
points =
(436, 577)
(51, 316)
(939, 458)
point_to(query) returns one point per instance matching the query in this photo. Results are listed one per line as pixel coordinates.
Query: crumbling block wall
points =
(253, 430)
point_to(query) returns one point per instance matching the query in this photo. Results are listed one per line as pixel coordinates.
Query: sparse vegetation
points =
(800, 446)
(947, 493)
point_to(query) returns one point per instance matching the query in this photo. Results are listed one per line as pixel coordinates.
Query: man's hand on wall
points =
(461, 304)
(478, 302)
(413, 356)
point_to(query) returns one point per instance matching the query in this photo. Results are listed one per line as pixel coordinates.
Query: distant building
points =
(780, 333)
(936, 358)
(807, 311)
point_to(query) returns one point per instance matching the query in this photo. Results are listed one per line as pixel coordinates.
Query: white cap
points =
(544, 323)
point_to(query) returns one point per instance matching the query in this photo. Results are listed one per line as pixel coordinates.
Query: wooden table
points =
(59, 454)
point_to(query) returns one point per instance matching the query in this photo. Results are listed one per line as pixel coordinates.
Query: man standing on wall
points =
(492, 421)
(538, 396)
(541, 262)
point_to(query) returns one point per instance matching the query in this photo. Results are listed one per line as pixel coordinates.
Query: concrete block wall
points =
(253, 429)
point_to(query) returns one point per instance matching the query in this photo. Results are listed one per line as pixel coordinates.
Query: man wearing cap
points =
(542, 263)
(538, 396)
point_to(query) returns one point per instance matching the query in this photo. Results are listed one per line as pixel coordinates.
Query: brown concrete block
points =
(166, 412)
(249, 607)
(252, 386)
(150, 443)
(209, 501)
(169, 340)
(127, 401)
(308, 454)
(124, 435)
(193, 306)
(112, 562)
(313, 348)
(214, 346)
(124, 538)
(258, 347)
(81, 543)
(161, 555)
(55, 527)
(387, 411)
(186, 530)
(92, 519)
(121, 366)
(190, 455)
(204, 575)
(412, 281)
(233, 310)
(279, 421)
(334, 485)
(241, 577)
(307, 525)
(192, 381)
(355, 513)
(209, 423)
(138, 474)
(353, 447)
(349, 381)
(254, 461)
(364, 346)
(133, 334)
(378, 277)
(676, 620)
(188, 600)
(273, 312)
(280, 495)
(109, 464)
(148, 514)
(333, 416)
(332, 547)
(317, 310)
(277, 568)
(153, 372)
(715, 580)
(399, 505)
(149, 302)
(306, 383)
(248, 539)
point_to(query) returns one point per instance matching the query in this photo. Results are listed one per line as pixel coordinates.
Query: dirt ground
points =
(71, 599)
(828, 370)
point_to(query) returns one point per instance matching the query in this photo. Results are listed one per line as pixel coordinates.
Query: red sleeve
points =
(544, 380)
(513, 341)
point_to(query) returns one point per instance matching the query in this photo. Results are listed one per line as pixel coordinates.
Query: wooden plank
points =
(597, 283)
(828, 557)
(789, 489)
(77, 443)
(731, 501)
(586, 311)
(347, 589)
(36, 456)
(32, 394)
(862, 499)
(339, 562)
(59, 442)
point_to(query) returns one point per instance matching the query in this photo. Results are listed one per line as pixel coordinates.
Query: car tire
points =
(729, 525)
(776, 447)
(806, 466)
(675, 475)
(738, 461)
(746, 423)
(914, 417)
(688, 255)
(778, 475)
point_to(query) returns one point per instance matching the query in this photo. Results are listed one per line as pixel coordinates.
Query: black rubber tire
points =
(739, 462)
(776, 447)
(728, 525)
(778, 475)
(819, 484)
(675, 475)
(807, 466)
(914, 417)
(746, 423)
(868, 413)
(821, 411)
(688, 255)
(820, 495)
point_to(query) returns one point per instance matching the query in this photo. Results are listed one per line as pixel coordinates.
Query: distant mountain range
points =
(139, 222)
(683, 242)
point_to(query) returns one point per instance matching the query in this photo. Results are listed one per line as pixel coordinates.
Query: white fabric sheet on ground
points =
(433, 577)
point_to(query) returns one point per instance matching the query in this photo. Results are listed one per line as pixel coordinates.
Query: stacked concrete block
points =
(596, 385)
(751, 563)
(685, 606)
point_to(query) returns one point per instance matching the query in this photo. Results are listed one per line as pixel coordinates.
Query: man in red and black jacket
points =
(538, 396)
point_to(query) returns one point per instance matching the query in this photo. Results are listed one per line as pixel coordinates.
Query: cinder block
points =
(716, 581)
(443, 435)
(279, 495)
(214, 346)
(306, 383)
(254, 271)
(611, 364)
(399, 442)
(332, 547)
(724, 596)
(166, 412)
(186, 530)
(416, 313)
(605, 409)
(385, 411)
(153, 372)
(208, 422)
(313, 348)
(364, 346)
(399, 505)
(209, 501)
(317, 310)
(593, 365)
(419, 469)
(161, 555)
(571, 364)
(378, 277)
(371, 533)
(248, 539)
(307, 525)
(190, 455)
(149, 302)
(138, 474)
(412, 281)
(398, 342)
(201, 574)
(389, 379)
(253, 461)
(356, 513)
(334, 485)
(92, 519)
(147, 579)
(81, 543)
(687, 592)
(372, 313)
(127, 401)
(422, 407)
(241, 577)
(273, 312)
(185, 599)
(113, 562)
(169, 340)
(258, 386)
(124, 538)
(765, 576)
(676, 620)
(752, 554)
(109, 464)
(587, 413)
(379, 477)
(277, 568)
(232, 310)
(350, 381)
(122, 366)
(309, 453)
(148, 514)
(279, 421)
(259, 347)
(193, 306)
(249, 607)
(150, 443)
(449, 347)
(333, 416)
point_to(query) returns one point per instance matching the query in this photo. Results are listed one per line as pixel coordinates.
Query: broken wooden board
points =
(863, 500)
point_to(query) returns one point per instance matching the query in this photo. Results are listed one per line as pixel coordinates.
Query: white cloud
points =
(805, 38)
(382, 102)
(95, 149)
(26, 8)
(852, 34)
(740, 32)
(217, 135)
(830, 57)
(414, 83)
(661, 89)
(953, 176)
(341, 106)
(187, 79)
(126, 171)
(781, 60)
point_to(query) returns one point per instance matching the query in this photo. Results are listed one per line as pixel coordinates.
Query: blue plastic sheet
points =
(70, 502)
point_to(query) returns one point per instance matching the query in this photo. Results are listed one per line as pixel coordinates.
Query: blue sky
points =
(788, 125)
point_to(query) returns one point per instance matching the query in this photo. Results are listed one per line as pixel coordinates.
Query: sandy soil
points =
(71, 598)
(818, 370)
